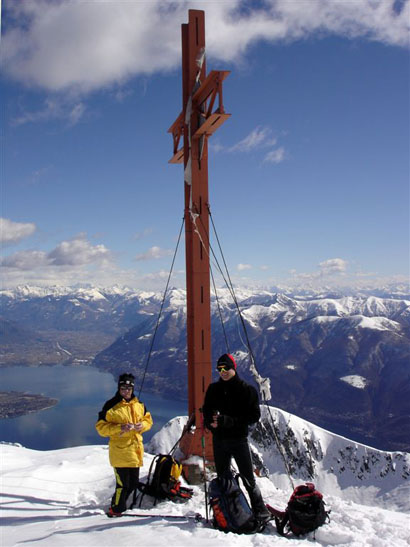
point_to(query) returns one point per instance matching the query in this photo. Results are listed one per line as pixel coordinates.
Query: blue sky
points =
(309, 178)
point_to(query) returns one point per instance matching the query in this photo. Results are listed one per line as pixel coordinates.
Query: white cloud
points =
(160, 276)
(53, 109)
(78, 251)
(25, 260)
(275, 156)
(73, 253)
(122, 94)
(216, 147)
(13, 232)
(68, 263)
(75, 260)
(256, 138)
(154, 253)
(333, 266)
(140, 235)
(330, 268)
(84, 46)
(260, 137)
(243, 267)
(76, 113)
(39, 174)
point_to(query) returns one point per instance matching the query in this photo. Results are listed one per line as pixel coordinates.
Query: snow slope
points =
(337, 465)
(58, 498)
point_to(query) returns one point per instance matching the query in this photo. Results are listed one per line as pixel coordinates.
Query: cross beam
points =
(198, 120)
(209, 120)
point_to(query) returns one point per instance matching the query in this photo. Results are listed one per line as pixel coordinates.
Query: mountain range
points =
(342, 362)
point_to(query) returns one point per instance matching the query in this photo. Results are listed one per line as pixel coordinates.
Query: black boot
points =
(259, 508)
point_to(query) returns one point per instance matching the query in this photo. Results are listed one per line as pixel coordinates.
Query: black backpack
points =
(163, 483)
(304, 513)
(230, 508)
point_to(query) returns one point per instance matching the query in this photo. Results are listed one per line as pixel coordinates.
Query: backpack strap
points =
(158, 486)
(143, 487)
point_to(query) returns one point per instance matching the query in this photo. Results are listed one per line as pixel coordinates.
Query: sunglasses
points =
(124, 386)
(224, 368)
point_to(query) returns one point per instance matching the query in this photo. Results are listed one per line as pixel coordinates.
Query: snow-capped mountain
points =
(108, 310)
(81, 320)
(59, 497)
(342, 362)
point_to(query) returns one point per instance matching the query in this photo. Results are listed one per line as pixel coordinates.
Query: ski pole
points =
(197, 517)
(203, 460)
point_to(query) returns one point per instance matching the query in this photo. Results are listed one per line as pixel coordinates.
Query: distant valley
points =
(339, 360)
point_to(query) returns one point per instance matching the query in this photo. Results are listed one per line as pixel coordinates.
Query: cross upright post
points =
(197, 121)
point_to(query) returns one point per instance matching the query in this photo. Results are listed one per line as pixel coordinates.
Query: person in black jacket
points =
(230, 406)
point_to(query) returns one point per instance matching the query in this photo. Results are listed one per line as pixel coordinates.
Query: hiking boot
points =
(261, 512)
(263, 515)
(111, 513)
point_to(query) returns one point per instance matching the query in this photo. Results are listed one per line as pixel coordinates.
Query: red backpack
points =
(304, 513)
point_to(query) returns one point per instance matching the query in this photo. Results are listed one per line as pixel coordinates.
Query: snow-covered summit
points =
(89, 291)
(58, 498)
(292, 310)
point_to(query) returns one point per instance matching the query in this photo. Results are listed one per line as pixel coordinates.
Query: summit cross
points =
(202, 113)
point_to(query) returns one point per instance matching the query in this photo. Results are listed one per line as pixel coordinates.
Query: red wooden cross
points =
(201, 115)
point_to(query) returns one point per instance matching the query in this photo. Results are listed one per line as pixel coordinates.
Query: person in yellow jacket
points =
(124, 419)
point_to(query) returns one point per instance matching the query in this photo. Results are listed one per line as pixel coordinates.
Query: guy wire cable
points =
(219, 311)
(248, 345)
(160, 311)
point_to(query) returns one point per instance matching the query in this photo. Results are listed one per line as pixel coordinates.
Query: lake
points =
(82, 392)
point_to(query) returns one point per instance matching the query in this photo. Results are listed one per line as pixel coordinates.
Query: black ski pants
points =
(126, 482)
(238, 449)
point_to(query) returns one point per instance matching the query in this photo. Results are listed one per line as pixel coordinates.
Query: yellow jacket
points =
(125, 449)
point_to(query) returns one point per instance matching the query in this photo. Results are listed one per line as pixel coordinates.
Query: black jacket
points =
(236, 399)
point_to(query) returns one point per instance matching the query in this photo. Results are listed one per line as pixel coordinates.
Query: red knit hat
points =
(227, 360)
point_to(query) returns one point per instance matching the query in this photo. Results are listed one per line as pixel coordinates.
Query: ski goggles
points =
(224, 368)
(126, 385)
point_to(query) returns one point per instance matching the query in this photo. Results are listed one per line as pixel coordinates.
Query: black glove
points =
(225, 421)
